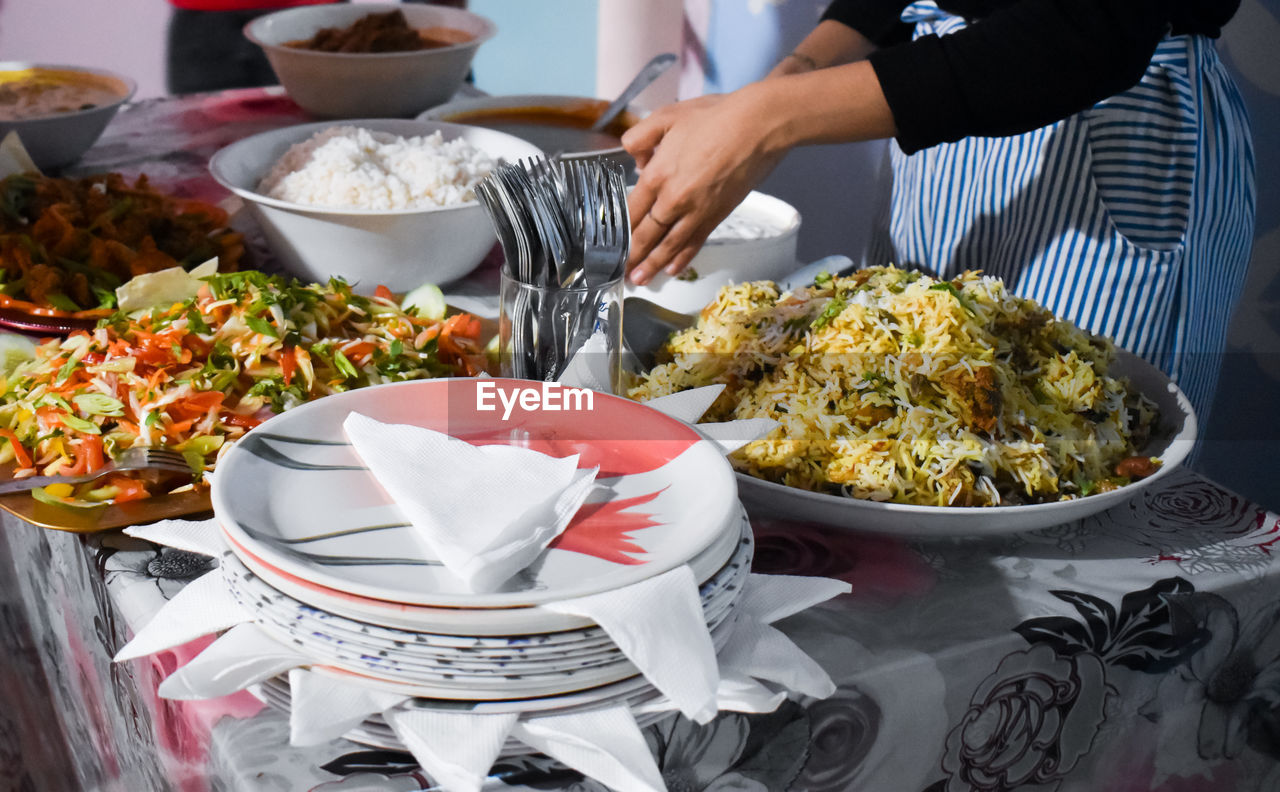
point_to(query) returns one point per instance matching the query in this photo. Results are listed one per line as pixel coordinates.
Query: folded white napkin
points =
(323, 708)
(203, 607)
(605, 744)
(244, 655)
(486, 512)
(688, 406)
(732, 435)
(659, 625)
(456, 748)
(590, 367)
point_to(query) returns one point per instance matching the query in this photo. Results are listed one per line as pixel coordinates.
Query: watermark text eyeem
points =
(545, 396)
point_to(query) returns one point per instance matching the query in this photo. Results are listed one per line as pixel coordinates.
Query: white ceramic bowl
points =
(61, 138)
(400, 249)
(367, 85)
(569, 142)
(726, 260)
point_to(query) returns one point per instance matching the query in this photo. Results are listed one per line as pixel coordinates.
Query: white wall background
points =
(122, 35)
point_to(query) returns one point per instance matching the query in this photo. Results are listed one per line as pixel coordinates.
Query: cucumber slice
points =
(426, 301)
(15, 349)
(493, 350)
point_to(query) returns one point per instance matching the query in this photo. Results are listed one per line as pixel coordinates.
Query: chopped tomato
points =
(464, 325)
(235, 419)
(384, 293)
(196, 405)
(89, 457)
(91, 453)
(156, 348)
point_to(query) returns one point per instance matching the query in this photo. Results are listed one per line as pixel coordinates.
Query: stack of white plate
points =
(523, 663)
(376, 732)
(326, 564)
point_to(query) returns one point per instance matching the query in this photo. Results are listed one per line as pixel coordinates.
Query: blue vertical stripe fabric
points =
(1133, 219)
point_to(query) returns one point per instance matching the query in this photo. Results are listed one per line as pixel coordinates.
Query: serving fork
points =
(136, 458)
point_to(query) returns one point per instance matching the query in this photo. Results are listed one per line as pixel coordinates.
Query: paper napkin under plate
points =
(755, 670)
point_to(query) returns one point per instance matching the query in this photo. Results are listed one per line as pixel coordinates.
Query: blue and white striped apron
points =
(1133, 219)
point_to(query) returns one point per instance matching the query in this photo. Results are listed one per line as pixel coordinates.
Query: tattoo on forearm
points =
(808, 62)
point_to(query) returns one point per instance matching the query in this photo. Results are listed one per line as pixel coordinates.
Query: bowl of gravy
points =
(58, 111)
(370, 60)
(556, 124)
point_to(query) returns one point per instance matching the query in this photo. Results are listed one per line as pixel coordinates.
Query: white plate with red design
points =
(293, 496)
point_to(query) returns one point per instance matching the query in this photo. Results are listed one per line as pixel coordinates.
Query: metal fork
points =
(136, 458)
(613, 241)
(606, 242)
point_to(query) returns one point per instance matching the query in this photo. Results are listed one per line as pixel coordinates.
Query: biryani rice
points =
(892, 386)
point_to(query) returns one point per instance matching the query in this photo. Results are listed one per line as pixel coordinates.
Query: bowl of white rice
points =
(375, 201)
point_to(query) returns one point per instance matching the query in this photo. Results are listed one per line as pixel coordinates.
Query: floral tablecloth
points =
(1135, 650)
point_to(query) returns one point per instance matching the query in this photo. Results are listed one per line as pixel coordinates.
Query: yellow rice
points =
(893, 386)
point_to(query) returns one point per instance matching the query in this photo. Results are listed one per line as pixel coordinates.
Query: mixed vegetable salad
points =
(194, 375)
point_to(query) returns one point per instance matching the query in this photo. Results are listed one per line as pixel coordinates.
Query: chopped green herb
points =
(61, 301)
(13, 287)
(954, 292)
(195, 321)
(15, 193)
(259, 325)
(106, 297)
(833, 309)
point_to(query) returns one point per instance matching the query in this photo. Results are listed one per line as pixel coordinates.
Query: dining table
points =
(1135, 649)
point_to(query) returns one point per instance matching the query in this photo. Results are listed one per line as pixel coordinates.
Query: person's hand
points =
(698, 159)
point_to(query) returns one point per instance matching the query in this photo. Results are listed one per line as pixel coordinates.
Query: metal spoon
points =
(651, 71)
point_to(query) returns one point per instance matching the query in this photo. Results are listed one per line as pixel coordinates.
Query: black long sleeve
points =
(1019, 65)
(879, 20)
